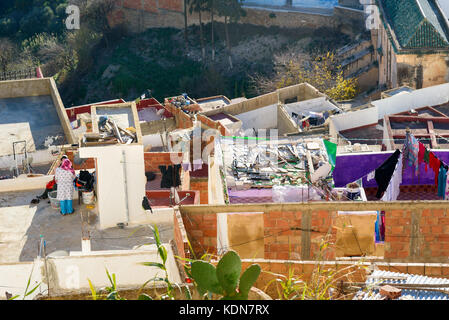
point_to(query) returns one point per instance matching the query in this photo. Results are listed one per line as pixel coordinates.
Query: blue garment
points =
(377, 227)
(442, 182)
(66, 206)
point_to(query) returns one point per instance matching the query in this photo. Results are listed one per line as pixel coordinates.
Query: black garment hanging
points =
(170, 176)
(385, 172)
(85, 181)
(150, 176)
(146, 204)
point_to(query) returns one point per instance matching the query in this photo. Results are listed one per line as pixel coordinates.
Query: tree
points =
(232, 12)
(7, 53)
(200, 6)
(8, 26)
(97, 14)
(211, 6)
(186, 2)
(38, 20)
(323, 72)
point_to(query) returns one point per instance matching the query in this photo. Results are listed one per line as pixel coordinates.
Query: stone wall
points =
(434, 69)
(139, 15)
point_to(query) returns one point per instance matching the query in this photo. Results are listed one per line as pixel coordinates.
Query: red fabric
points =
(434, 163)
(422, 150)
(50, 184)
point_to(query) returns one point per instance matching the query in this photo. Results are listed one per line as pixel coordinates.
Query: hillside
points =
(158, 60)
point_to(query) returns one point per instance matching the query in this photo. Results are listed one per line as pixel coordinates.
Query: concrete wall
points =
(263, 118)
(112, 202)
(215, 182)
(73, 272)
(301, 92)
(14, 279)
(25, 88)
(157, 126)
(415, 231)
(285, 123)
(23, 184)
(39, 87)
(354, 119)
(431, 96)
(70, 274)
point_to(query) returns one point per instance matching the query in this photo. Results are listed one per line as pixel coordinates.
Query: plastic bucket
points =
(53, 201)
(88, 197)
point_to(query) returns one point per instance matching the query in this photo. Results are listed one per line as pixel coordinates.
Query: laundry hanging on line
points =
(385, 172)
(393, 189)
(170, 176)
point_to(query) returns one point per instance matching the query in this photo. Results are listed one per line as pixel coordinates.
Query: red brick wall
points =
(303, 270)
(155, 159)
(202, 185)
(88, 164)
(284, 233)
(183, 120)
(432, 235)
(174, 5)
(181, 243)
(280, 241)
(202, 232)
(346, 269)
(153, 5)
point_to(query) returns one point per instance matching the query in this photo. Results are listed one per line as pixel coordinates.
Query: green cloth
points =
(426, 156)
(331, 149)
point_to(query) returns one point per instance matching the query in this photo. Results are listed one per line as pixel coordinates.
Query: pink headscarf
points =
(67, 165)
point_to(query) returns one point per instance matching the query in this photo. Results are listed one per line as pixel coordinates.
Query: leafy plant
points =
(162, 252)
(111, 292)
(323, 284)
(225, 279)
(288, 287)
(27, 291)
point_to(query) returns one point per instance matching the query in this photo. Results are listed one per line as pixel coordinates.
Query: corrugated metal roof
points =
(403, 278)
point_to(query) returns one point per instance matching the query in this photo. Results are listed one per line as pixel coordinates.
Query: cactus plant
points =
(225, 279)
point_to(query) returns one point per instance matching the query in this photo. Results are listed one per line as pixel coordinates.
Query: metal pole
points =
(125, 185)
(46, 269)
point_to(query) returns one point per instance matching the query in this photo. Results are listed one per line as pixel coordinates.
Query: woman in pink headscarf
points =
(64, 176)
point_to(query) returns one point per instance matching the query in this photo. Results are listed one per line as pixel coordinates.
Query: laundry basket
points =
(53, 201)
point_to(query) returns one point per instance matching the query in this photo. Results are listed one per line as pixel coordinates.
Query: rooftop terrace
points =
(21, 225)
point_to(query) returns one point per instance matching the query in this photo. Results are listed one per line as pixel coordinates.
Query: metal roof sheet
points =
(404, 278)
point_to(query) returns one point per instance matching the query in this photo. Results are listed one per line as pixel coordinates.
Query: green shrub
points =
(225, 279)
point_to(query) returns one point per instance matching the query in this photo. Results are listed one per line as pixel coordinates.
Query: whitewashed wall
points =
(263, 118)
(431, 96)
(72, 272)
(112, 203)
